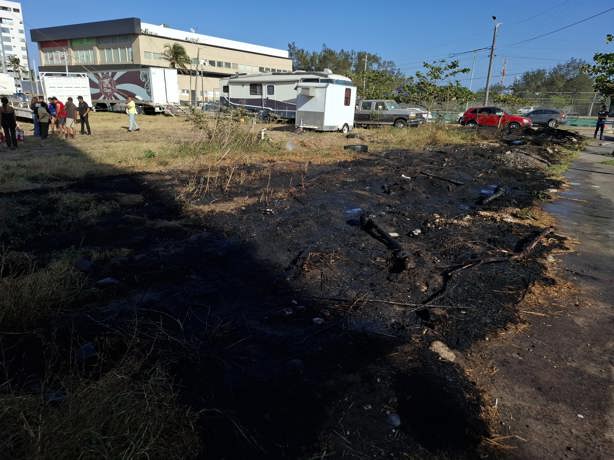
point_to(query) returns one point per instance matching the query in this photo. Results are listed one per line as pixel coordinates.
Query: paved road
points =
(554, 380)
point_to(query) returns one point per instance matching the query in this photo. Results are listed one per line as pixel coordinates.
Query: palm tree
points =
(176, 56)
(15, 65)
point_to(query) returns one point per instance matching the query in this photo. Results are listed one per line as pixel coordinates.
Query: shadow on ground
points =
(264, 316)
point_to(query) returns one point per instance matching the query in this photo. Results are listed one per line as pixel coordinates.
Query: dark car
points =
(493, 116)
(547, 117)
(386, 112)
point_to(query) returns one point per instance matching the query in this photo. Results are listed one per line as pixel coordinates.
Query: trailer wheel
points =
(345, 129)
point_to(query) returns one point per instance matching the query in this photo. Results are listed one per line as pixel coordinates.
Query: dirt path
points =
(553, 380)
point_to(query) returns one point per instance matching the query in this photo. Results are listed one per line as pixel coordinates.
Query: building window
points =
(261, 69)
(53, 57)
(212, 63)
(270, 90)
(235, 66)
(194, 61)
(348, 97)
(117, 55)
(220, 63)
(16, 10)
(227, 65)
(85, 56)
(255, 89)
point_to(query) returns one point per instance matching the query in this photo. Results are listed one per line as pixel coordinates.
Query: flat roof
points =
(134, 26)
(176, 34)
(127, 26)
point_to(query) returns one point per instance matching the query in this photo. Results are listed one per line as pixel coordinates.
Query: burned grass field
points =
(268, 301)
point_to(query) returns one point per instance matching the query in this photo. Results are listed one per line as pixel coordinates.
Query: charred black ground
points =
(293, 330)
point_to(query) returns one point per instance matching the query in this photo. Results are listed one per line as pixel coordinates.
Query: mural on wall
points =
(118, 85)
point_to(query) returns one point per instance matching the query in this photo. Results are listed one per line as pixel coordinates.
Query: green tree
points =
(176, 56)
(603, 70)
(15, 65)
(436, 85)
(375, 77)
(511, 102)
(568, 77)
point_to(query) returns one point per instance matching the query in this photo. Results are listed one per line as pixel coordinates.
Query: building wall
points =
(130, 50)
(212, 59)
(203, 88)
(13, 36)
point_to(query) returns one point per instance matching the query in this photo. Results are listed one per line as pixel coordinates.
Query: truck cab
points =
(385, 112)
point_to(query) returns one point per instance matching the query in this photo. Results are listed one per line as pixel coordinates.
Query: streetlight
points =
(492, 55)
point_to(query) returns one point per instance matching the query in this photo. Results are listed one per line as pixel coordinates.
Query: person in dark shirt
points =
(8, 122)
(71, 118)
(84, 112)
(51, 109)
(34, 106)
(602, 116)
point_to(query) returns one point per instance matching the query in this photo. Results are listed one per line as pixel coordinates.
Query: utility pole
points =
(475, 56)
(66, 60)
(202, 84)
(364, 79)
(492, 55)
(503, 71)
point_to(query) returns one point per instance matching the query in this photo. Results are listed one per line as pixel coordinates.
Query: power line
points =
(546, 34)
(522, 21)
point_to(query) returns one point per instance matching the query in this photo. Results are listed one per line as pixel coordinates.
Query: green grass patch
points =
(559, 169)
(608, 162)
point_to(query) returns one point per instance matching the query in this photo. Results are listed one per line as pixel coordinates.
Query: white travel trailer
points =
(326, 103)
(273, 93)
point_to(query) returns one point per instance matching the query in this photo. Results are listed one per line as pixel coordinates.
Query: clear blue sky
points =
(405, 32)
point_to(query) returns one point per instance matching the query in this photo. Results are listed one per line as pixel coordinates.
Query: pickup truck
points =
(385, 112)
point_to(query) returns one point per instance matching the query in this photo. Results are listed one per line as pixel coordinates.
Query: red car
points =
(493, 116)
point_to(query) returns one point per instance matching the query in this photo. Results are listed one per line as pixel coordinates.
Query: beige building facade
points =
(129, 44)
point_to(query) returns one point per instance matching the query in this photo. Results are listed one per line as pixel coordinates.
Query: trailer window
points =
(270, 90)
(348, 97)
(225, 89)
(255, 89)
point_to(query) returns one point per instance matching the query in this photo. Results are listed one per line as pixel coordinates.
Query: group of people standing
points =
(59, 117)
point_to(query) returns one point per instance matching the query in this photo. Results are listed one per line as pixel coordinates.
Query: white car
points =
(428, 116)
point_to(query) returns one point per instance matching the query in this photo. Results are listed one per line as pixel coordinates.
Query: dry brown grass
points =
(167, 144)
(36, 294)
(123, 415)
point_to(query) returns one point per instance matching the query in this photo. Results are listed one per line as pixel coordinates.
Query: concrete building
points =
(13, 37)
(129, 44)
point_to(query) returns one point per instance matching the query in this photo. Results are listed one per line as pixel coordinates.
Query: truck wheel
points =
(400, 123)
(553, 124)
(345, 129)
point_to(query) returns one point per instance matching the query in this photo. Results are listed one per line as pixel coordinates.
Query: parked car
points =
(525, 110)
(493, 116)
(547, 117)
(373, 112)
(420, 111)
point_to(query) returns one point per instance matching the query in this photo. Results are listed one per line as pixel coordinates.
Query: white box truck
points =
(63, 86)
(152, 89)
